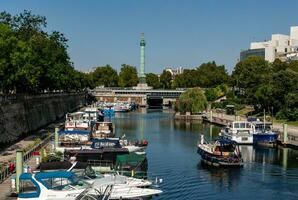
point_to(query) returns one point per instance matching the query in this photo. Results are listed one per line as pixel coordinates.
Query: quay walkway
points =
(30, 146)
(223, 119)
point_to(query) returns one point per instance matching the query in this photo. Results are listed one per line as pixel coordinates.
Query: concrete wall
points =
(31, 113)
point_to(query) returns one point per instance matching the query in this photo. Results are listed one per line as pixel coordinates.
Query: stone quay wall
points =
(22, 115)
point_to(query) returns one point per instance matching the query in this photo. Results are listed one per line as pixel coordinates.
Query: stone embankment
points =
(26, 114)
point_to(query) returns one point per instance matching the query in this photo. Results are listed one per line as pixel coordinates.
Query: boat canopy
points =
(56, 174)
(74, 132)
(224, 141)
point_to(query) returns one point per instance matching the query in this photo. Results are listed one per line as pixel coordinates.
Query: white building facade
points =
(284, 47)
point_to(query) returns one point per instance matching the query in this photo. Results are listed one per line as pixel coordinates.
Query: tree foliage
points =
(106, 76)
(32, 60)
(269, 86)
(166, 79)
(192, 100)
(128, 76)
(152, 80)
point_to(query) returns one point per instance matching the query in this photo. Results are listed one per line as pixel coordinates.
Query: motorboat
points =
(239, 131)
(223, 152)
(58, 185)
(263, 133)
(85, 171)
(103, 130)
(122, 187)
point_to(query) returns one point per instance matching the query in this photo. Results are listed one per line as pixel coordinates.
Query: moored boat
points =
(239, 131)
(263, 134)
(222, 153)
(58, 185)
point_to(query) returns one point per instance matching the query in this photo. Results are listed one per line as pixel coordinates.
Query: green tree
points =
(166, 79)
(152, 80)
(128, 76)
(192, 100)
(210, 75)
(106, 76)
(251, 73)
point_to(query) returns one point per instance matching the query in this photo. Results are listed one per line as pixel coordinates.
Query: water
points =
(268, 173)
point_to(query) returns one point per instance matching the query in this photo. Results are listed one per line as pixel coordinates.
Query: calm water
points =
(267, 174)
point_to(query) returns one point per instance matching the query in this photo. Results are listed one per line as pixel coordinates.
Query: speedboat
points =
(58, 185)
(239, 131)
(221, 153)
(84, 170)
(121, 187)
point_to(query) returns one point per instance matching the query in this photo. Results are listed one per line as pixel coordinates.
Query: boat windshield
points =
(260, 127)
(87, 173)
(63, 184)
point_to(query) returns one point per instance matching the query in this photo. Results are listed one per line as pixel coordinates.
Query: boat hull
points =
(218, 161)
(240, 139)
(265, 139)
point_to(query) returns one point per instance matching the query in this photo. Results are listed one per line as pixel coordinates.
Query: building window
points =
(286, 50)
(275, 50)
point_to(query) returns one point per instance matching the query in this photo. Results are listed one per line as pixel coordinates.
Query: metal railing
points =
(6, 173)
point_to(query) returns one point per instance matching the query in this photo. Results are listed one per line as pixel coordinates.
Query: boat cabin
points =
(240, 126)
(50, 185)
(103, 130)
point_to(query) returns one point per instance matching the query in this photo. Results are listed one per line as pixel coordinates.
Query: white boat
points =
(239, 131)
(121, 187)
(58, 185)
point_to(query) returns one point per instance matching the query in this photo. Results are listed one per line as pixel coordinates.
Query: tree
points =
(166, 79)
(32, 60)
(192, 100)
(251, 73)
(210, 75)
(128, 76)
(152, 80)
(106, 76)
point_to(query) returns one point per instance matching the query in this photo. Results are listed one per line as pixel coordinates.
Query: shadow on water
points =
(227, 178)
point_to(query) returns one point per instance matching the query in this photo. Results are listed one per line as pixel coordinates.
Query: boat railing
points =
(107, 192)
(101, 163)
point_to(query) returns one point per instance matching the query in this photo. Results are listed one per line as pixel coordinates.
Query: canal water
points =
(268, 173)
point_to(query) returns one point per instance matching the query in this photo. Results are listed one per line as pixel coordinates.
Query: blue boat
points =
(263, 134)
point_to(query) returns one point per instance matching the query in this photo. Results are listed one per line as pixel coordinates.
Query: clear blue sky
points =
(178, 33)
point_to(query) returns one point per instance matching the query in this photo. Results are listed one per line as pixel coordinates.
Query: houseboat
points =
(221, 153)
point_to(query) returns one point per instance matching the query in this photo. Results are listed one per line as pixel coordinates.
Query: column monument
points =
(142, 85)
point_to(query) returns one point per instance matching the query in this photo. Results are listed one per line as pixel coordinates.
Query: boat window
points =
(236, 125)
(242, 125)
(26, 186)
(28, 189)
(248, 125)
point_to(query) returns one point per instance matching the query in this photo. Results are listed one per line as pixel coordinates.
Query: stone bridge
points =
(151, 97)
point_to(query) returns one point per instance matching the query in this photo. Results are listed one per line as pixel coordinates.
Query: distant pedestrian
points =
(11, 167)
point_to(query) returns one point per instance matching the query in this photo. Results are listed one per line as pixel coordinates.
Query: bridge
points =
(150, 97)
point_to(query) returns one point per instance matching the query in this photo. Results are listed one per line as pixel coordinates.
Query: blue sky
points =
(178, 33)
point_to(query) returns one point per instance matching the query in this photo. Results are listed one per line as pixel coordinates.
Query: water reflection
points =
(268, 173)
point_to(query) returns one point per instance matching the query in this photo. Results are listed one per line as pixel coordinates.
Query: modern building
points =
(284, 47)
(175, 71)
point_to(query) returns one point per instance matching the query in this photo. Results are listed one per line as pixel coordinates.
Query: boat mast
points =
(264, 120)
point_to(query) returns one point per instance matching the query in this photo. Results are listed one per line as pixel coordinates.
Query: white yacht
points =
(239, 131)
(58, 185)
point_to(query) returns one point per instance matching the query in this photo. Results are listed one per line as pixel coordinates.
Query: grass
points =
(281, 121)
